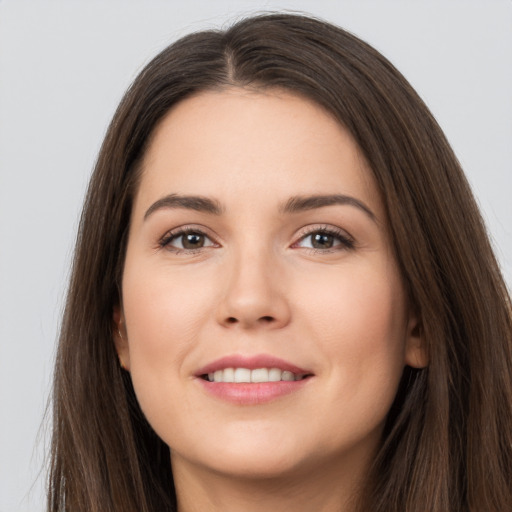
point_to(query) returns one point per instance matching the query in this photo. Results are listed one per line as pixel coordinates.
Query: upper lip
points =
(251, 363)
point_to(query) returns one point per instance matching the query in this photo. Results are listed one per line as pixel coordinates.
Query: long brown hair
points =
(447, 445)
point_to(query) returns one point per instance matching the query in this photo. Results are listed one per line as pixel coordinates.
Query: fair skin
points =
(315, 285)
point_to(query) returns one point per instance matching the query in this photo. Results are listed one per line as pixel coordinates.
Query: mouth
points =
(252, 380)
(256, 375)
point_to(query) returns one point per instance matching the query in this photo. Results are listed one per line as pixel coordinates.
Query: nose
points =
(254, 294)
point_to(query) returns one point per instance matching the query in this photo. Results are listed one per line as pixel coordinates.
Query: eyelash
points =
(346, 241)
(166, 240)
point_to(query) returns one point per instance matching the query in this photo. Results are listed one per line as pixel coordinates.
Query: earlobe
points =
(121, 338)
(416, 354)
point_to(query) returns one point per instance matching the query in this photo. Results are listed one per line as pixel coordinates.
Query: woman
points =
(283, 295)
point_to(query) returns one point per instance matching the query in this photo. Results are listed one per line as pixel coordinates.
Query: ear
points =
(121, 338)
(416, 354)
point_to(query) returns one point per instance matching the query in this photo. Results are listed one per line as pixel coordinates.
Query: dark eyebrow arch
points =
(197, 203)
(293, 205)
(301, 203)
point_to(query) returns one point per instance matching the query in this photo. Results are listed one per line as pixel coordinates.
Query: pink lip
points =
(243, 393)
(250, 362)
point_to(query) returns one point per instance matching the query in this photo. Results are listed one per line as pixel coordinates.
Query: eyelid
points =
(347, 240)
(171, 234)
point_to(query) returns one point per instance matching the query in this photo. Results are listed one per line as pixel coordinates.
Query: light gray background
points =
(63, 68)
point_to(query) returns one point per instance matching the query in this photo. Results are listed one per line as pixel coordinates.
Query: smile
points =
(257, 375)
(251, 380)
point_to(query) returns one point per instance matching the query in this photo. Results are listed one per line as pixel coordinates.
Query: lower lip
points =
(243, 393)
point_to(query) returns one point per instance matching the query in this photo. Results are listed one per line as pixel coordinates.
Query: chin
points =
(263, 467)
(255, 457)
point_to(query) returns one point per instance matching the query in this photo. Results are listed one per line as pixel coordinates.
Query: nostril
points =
(262, 320)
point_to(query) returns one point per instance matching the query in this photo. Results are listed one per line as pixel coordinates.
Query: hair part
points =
(448, 440)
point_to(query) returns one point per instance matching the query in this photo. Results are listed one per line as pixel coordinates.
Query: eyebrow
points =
(295, 204)
(301, 203)
(197, 203)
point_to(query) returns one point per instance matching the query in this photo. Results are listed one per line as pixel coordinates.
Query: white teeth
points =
(287, 376)
(228, 375)
(242, 375)
(274, 374)
(256, 375)
(259, 375)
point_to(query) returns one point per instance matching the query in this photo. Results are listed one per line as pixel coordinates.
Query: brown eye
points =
(192, 240)
(325, 240)
(186, 241)
(322, 240)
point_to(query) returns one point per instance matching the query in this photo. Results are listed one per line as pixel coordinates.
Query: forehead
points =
(271, 143)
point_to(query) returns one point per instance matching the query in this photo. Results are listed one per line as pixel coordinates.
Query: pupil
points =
(193, 241)
(322, 241)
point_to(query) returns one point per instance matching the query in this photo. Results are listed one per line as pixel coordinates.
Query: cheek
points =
(164, 315)
(366, 298)
(359, 326)
(359, 322)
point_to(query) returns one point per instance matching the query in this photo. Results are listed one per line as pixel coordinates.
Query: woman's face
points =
(258, 249)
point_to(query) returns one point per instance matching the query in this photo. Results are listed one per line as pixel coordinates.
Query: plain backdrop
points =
(63, 68)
